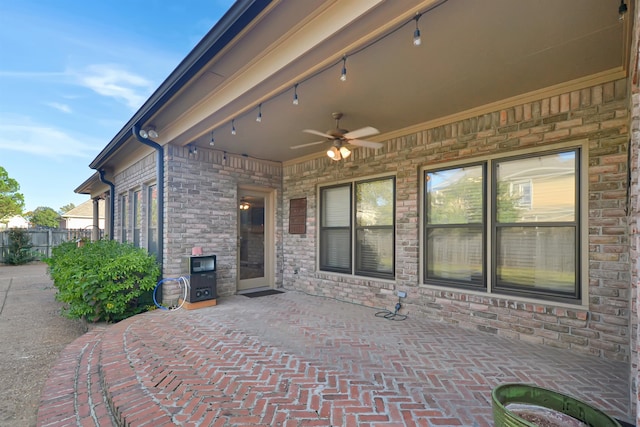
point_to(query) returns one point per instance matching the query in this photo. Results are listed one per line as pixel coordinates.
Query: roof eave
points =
(234, 21)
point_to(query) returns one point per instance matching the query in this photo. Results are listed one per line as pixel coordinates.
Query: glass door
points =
(252, 226)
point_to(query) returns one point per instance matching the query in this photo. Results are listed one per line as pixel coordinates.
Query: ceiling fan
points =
(339, 137)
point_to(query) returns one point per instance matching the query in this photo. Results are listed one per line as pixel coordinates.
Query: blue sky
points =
(73, 72)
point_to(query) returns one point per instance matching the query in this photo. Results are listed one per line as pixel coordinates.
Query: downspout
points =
(160, 182)
(112, 204)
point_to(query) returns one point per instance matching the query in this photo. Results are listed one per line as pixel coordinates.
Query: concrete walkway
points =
(293, 360)
(32, 335)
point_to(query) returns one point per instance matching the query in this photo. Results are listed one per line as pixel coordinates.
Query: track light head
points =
(417, 40)
(622, 10)
(295, 95)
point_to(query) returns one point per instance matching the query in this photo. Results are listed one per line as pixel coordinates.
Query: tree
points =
(44, 217)
(19, 249)
(66, 208)
(11, 202)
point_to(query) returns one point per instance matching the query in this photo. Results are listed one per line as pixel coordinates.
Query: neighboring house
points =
(528, 108)
(81, 217)
(16, 221)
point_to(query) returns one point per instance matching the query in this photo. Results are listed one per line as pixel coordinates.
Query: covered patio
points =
(294, 359)
(445, 109)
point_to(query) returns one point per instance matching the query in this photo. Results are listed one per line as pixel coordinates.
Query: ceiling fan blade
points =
(315, 132)
(361, 133)
(309, 144)
(363, 143)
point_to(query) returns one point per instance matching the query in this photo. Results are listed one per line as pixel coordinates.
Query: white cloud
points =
(25, 136)
(60, 107)
(113, 81)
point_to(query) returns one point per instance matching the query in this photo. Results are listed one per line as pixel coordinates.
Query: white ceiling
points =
(473, 53)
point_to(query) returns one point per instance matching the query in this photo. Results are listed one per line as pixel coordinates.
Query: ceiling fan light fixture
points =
(334, 153)
(345, 152)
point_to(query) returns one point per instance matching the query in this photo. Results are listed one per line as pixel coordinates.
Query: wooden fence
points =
(45, 240)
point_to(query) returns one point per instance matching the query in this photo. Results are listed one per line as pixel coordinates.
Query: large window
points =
(152, 219)
(137, 217)
(528, 246)
(357, 223)
(124, 217)
(455, 231)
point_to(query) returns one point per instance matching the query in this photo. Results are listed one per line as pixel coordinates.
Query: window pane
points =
(375, 250)
(336, 206)
(455, 254)
(137, 217)
(152, 214)
(374, 202)
(537, 258)
(335, 251)
(537, 189)
(455, 196)
(124, 223)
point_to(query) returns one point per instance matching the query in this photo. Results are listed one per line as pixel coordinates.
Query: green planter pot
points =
(533, 396)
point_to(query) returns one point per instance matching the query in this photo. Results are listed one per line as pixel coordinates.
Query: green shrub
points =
(19, 249)
(102, 280)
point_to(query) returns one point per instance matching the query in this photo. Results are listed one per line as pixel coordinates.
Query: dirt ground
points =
(32, 334)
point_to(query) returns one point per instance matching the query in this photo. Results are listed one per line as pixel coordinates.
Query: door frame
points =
(269, 195)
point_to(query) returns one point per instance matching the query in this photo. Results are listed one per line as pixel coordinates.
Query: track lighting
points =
(338, 152)
(417, 40)
(149, 132)
(295, 94)
(622, 10)
(213, 141)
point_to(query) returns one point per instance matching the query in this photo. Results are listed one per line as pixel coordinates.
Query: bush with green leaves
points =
(103, 280)
(19, 249)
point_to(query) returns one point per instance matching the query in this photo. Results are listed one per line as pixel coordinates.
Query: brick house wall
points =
(634, 216)
(634, 226)
(201, 205)
(136, 177)
(598, 114)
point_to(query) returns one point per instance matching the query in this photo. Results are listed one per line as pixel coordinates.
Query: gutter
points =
(160, 183)
(112, 205)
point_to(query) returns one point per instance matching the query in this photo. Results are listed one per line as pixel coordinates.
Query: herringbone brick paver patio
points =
(298, 360)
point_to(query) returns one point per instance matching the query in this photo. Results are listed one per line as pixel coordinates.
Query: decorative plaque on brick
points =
(298, 216)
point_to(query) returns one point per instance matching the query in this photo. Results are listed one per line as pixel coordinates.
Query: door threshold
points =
(258, 289)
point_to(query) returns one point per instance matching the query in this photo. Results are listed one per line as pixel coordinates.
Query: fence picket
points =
(43, 241)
